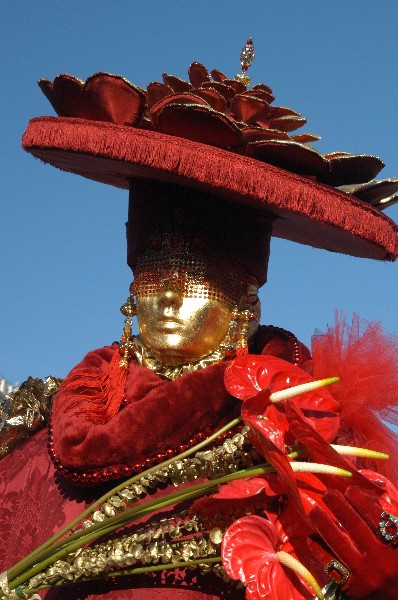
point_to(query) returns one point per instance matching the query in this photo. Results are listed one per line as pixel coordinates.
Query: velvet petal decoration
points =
(305, 138)
(213, 98)
(156, 92)
(177, 84)
(373, 191)
(198, 74)
(103, 97)
(248, 108)
(288, 123)
(218, 75)
(225, 90)
(114, 98)
(277, 112)
(65, 95)
(198, 123)
(258, 134)
(291, 156)
(263, 88)
(352, 169)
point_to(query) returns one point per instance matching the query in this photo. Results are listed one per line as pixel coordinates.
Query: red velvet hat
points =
(215, 135)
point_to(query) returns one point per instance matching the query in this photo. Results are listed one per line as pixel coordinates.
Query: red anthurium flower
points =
(249, 375)
(389, 496)
(250, 553)
(322, 452)
(239, 497)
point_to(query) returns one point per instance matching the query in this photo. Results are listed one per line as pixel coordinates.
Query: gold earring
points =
(228, 345)
(129, 310)
(245, 316)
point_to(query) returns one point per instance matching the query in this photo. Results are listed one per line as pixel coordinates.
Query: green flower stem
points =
(85, 536)
(27, 561)
(92, 536)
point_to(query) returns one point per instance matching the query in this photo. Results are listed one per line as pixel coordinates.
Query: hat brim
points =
(304, 210)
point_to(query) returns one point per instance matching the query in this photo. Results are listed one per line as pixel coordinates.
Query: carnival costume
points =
(213, 172)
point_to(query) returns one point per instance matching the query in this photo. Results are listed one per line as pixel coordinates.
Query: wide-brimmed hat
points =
(214, 135)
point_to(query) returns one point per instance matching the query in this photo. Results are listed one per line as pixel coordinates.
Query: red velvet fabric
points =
(35, 501)
(176, 409)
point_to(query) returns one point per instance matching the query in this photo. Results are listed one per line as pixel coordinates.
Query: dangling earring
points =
(126, 345)
(228, 345)
(245, 316)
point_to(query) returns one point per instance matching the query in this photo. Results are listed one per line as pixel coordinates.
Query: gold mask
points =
(178, 328)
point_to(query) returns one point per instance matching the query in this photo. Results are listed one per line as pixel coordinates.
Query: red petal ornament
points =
(238, 86)
(374, 191)
(288, 123)
(198, 74)
(258, 134)
(176, 84)
(260, 94)
(248, 108)
(264, 88)
(218, 75)
(114, 99)
(291, 156)
(177, 99)
(156, 92)
(198, 123)
(224, 90)
(347, 169)
(305, 138)
(214, 99)
(282, 111)
(65, 94)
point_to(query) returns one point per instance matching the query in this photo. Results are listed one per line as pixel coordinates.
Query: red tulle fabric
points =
(366, 360)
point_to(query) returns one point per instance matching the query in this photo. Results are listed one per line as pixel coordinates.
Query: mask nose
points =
(170, 298)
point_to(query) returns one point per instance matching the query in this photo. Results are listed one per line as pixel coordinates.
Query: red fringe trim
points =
(309, 212)
(104, 393)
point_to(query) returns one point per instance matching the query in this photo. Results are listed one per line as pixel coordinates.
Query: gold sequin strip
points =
(160, 543)
(233, 455)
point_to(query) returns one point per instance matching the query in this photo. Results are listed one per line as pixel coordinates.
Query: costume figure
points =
(208, 164)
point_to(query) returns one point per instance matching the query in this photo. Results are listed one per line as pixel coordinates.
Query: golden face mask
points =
(180, 329)
(186, 300)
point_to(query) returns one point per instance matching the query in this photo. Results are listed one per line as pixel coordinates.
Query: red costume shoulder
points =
(157, 417)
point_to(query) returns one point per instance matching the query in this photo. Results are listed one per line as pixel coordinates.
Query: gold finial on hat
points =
(246, 58)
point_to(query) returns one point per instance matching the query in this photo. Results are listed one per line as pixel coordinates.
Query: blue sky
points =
(62, 245)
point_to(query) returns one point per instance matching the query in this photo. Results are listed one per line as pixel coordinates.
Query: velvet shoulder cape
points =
(157, 417)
